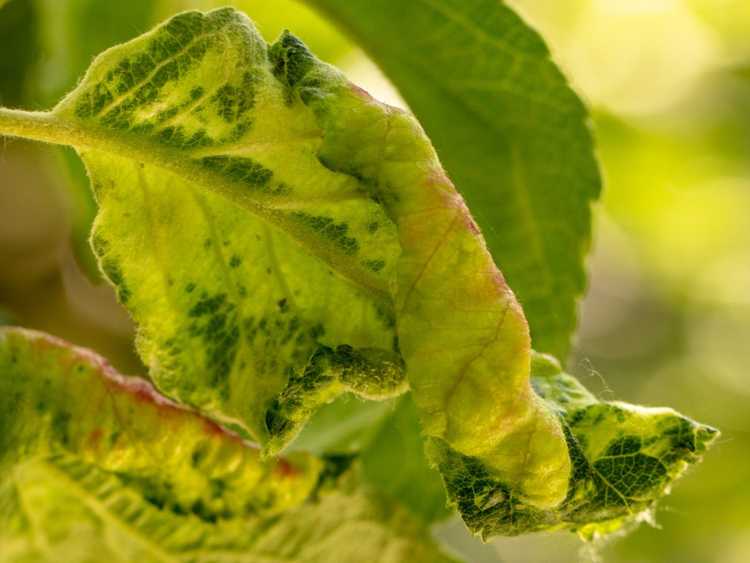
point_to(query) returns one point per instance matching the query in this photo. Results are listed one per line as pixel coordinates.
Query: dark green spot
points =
(329, 229)
(239, 169)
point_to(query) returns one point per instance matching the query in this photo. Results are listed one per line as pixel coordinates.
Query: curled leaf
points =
(624, 458)
(236, 251)
(461, 331)
(281, 238)
(331, 200)
(510, 132)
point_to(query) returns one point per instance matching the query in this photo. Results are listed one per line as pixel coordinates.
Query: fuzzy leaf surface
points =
(238, 299)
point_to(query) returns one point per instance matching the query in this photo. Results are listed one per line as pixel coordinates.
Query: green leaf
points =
(97, 466)
(379, 433)
(346, 426)
(510, 132)
(18, 36)
(415, 484)
(624, 459)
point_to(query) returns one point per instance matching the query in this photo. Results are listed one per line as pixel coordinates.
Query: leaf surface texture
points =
(281, 238)
(97, 466)
(510, 132)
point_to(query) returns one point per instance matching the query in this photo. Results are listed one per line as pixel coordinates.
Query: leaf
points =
(415, 484)
(362, 153)
(624, 459)
(17, 43)
(253, 336)
(510, 132)
(346, 426)
(356, 254)
(64, 410)
(97, 466)
(461, 332)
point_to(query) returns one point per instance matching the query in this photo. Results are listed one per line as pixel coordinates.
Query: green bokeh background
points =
(667, 317)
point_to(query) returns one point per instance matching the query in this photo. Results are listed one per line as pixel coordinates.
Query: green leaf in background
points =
(625, 458)
(510, 132)
(54, 42)
(381, 434)
(18, 44)
(415, 484)
(97, 466)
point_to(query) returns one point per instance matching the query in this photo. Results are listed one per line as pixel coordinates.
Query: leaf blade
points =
(129, 475)
(624, 457)
(147, 124)
(510, 132)
(467, 372)
(460, 330)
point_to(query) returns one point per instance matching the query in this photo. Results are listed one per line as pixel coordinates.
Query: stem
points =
(37, 126)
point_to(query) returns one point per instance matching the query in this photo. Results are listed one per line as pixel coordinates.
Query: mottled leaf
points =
(624, 459)
(238, 299)
(240, 314)
(96, 466)
(510, 132)
(280, 237)
(304, 198)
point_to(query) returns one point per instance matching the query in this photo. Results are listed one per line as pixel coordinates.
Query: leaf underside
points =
(239, 309)
(96, 466)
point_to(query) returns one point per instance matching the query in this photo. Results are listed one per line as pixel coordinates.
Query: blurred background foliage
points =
(667, 316)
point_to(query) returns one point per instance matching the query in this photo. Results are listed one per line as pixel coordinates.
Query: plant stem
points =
(36, 125)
